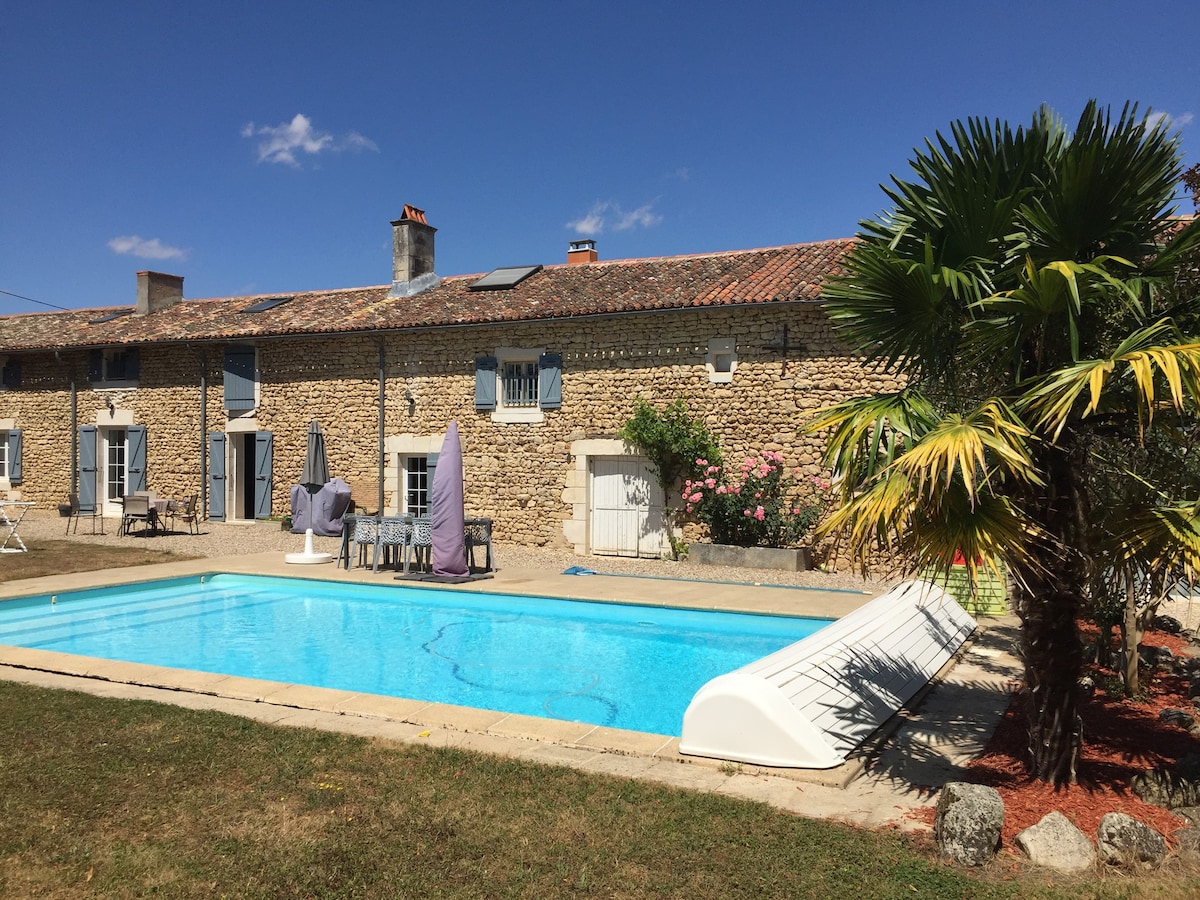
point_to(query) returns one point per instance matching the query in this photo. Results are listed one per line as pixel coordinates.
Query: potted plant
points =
(759, 515)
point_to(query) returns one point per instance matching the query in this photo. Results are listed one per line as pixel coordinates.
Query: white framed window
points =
(721, 361)
(115, 469)
(517, 385)
(416, 472)
(10, 454)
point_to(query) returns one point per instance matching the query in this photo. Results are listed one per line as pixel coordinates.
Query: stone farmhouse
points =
(539, 365)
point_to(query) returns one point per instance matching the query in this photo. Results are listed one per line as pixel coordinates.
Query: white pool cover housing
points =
(813, 702)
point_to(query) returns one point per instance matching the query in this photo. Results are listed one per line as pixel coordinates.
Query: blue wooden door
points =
(87, 469)
(216, 476)
(264, 444)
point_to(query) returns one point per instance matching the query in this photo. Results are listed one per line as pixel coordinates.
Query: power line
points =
(31, 300)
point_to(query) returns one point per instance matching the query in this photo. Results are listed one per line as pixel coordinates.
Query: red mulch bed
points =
(1121, 738)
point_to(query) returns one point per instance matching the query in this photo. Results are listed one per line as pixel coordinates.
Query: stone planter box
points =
(797, 560)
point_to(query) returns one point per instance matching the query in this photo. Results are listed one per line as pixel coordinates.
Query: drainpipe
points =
(203, 433)
(382, 400)
(74, 425)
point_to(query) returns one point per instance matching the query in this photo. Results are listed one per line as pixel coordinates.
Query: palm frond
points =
(1166, 538)
(1107, 192)
(970, 450)
(1053, 401)
(867, 434)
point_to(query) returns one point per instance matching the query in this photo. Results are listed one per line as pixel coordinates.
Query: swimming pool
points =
(624, 666)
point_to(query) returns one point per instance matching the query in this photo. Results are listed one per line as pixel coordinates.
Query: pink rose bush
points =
(760, 505)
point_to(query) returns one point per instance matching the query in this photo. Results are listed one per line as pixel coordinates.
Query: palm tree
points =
(1017, 285)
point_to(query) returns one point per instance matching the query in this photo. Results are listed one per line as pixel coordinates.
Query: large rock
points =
(1056, 843)
(1177, 717)
(967, 822)
(1124, 841)
(1173, 787)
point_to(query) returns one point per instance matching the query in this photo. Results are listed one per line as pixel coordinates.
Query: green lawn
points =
(113, 798)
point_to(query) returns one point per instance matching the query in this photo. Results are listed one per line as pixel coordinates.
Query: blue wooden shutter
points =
(550, 380)
(239, 378)
(10, 376)
(133, 364)
(95, 367)
(87, 469)
(264, 451)
(135, 476)
(14, 456)
(216, 476)
(485, 382)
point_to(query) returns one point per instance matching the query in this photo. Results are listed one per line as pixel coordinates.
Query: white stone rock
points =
(967, 822)
(1056, 843)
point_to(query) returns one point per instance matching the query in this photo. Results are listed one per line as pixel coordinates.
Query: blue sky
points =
(265, 146)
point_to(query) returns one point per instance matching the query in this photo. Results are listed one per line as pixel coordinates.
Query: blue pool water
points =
(624, 666)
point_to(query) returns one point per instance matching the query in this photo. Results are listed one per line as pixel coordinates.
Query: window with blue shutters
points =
(518, 384)
(118, 367)
(241, 380)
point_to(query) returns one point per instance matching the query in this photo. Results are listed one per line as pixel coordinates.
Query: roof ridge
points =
(707, 255)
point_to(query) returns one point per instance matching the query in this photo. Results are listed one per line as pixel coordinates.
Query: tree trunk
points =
(1048, 604)
(1131, 636)
(1053, 656)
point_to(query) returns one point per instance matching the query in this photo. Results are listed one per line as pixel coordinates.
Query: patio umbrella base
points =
(308, 557)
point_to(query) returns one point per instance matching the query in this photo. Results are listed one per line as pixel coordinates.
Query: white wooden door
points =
(627, 508)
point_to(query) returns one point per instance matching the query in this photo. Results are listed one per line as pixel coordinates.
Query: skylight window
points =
(504, 278)
(108, 317)
(264, 305)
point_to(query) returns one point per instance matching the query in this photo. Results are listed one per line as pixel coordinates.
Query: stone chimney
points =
(582, 252)
(412, 254)
(157, 291)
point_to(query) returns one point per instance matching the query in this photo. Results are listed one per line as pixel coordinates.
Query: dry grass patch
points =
(66, 557)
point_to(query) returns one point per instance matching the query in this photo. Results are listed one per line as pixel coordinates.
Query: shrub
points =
(761, 505)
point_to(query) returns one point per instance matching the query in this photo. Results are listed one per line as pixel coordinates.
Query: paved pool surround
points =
(842, 793)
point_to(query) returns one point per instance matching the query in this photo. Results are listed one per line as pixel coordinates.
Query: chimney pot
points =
(582, 252)
(156, 291)
(412, 254)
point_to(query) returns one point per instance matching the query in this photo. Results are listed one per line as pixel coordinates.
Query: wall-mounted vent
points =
(264, 305)
(504, 279)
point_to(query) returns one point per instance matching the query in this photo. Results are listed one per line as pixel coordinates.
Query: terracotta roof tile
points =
(733, 278)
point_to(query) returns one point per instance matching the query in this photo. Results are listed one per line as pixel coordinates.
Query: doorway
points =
(240, 475)
(627, 508)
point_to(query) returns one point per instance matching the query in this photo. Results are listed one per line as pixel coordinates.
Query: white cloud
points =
(1153, 120)
(607, 214)
(145, 249)
(642, 217)
(593, 222)
(356, 141)
(281, 143)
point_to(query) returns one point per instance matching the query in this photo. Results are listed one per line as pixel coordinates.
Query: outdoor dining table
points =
(9, 525)
(158, 507)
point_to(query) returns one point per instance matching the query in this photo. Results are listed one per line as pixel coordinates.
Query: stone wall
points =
(516, 472)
